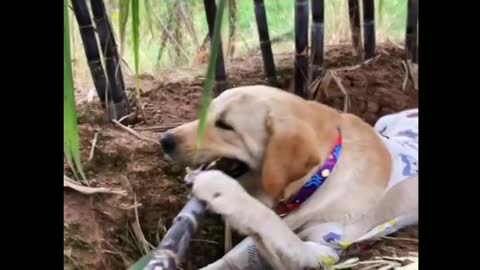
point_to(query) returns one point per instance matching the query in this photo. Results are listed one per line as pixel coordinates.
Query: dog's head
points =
(266, 131)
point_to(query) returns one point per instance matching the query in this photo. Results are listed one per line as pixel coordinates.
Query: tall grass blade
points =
(380, 11)
(187, 18)
(136, 42)
(207, 89)
(149, 15)
(70, 129)
(233, 15)
(220, 75)
(140, 264)
(166, 35)
(124, 6)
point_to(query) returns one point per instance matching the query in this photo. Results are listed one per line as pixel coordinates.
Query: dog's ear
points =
(292, 151)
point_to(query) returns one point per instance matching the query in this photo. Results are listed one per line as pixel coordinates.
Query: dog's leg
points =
(227, 237)
(243, 256)
(275, 241)
(397, 209)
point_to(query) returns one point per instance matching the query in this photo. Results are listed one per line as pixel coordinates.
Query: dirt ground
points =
(102, 230)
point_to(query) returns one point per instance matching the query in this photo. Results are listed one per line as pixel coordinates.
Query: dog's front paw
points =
(221, 192)
(320, 255)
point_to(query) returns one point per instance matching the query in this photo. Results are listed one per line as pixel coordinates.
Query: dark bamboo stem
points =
(354, 15)
(265, 44)
(317, 38)
(118, 105)
(301, 50)
(411, 35)
(176, 241)
(220, 75)
(115, 50)
(369, 28)
(90, 46)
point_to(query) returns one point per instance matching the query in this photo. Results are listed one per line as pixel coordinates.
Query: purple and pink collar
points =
(284, 207)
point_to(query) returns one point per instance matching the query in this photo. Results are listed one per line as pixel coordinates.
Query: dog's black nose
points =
(168, 143)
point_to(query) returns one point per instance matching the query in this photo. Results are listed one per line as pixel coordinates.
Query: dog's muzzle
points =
(168, 143)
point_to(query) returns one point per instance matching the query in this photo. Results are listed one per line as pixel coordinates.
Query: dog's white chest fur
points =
(399, 132)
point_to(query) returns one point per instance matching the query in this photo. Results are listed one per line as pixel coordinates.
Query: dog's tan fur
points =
(284, 139)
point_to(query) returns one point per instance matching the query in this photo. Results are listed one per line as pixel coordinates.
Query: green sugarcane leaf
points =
(380, 11)
(149, 14)
(136, 42)
(140, 264)
(207, 89)
(124, 6)
(70, 129)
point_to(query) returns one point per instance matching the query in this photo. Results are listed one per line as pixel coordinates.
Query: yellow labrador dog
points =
(311, 181)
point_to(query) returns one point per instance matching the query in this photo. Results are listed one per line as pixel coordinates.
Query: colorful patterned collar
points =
(284, 207)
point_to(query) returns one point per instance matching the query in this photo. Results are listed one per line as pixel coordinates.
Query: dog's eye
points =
(221, 124)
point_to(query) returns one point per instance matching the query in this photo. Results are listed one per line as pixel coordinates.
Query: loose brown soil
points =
(99, 230)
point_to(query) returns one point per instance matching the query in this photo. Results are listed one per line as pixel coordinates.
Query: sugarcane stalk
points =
(317, 38)
(265, 44)
(301, 50)
(92, 53)
(176, 241)
(220, 75)
(118, 104)
(411, 33)
(369, 28)
(354, 16)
